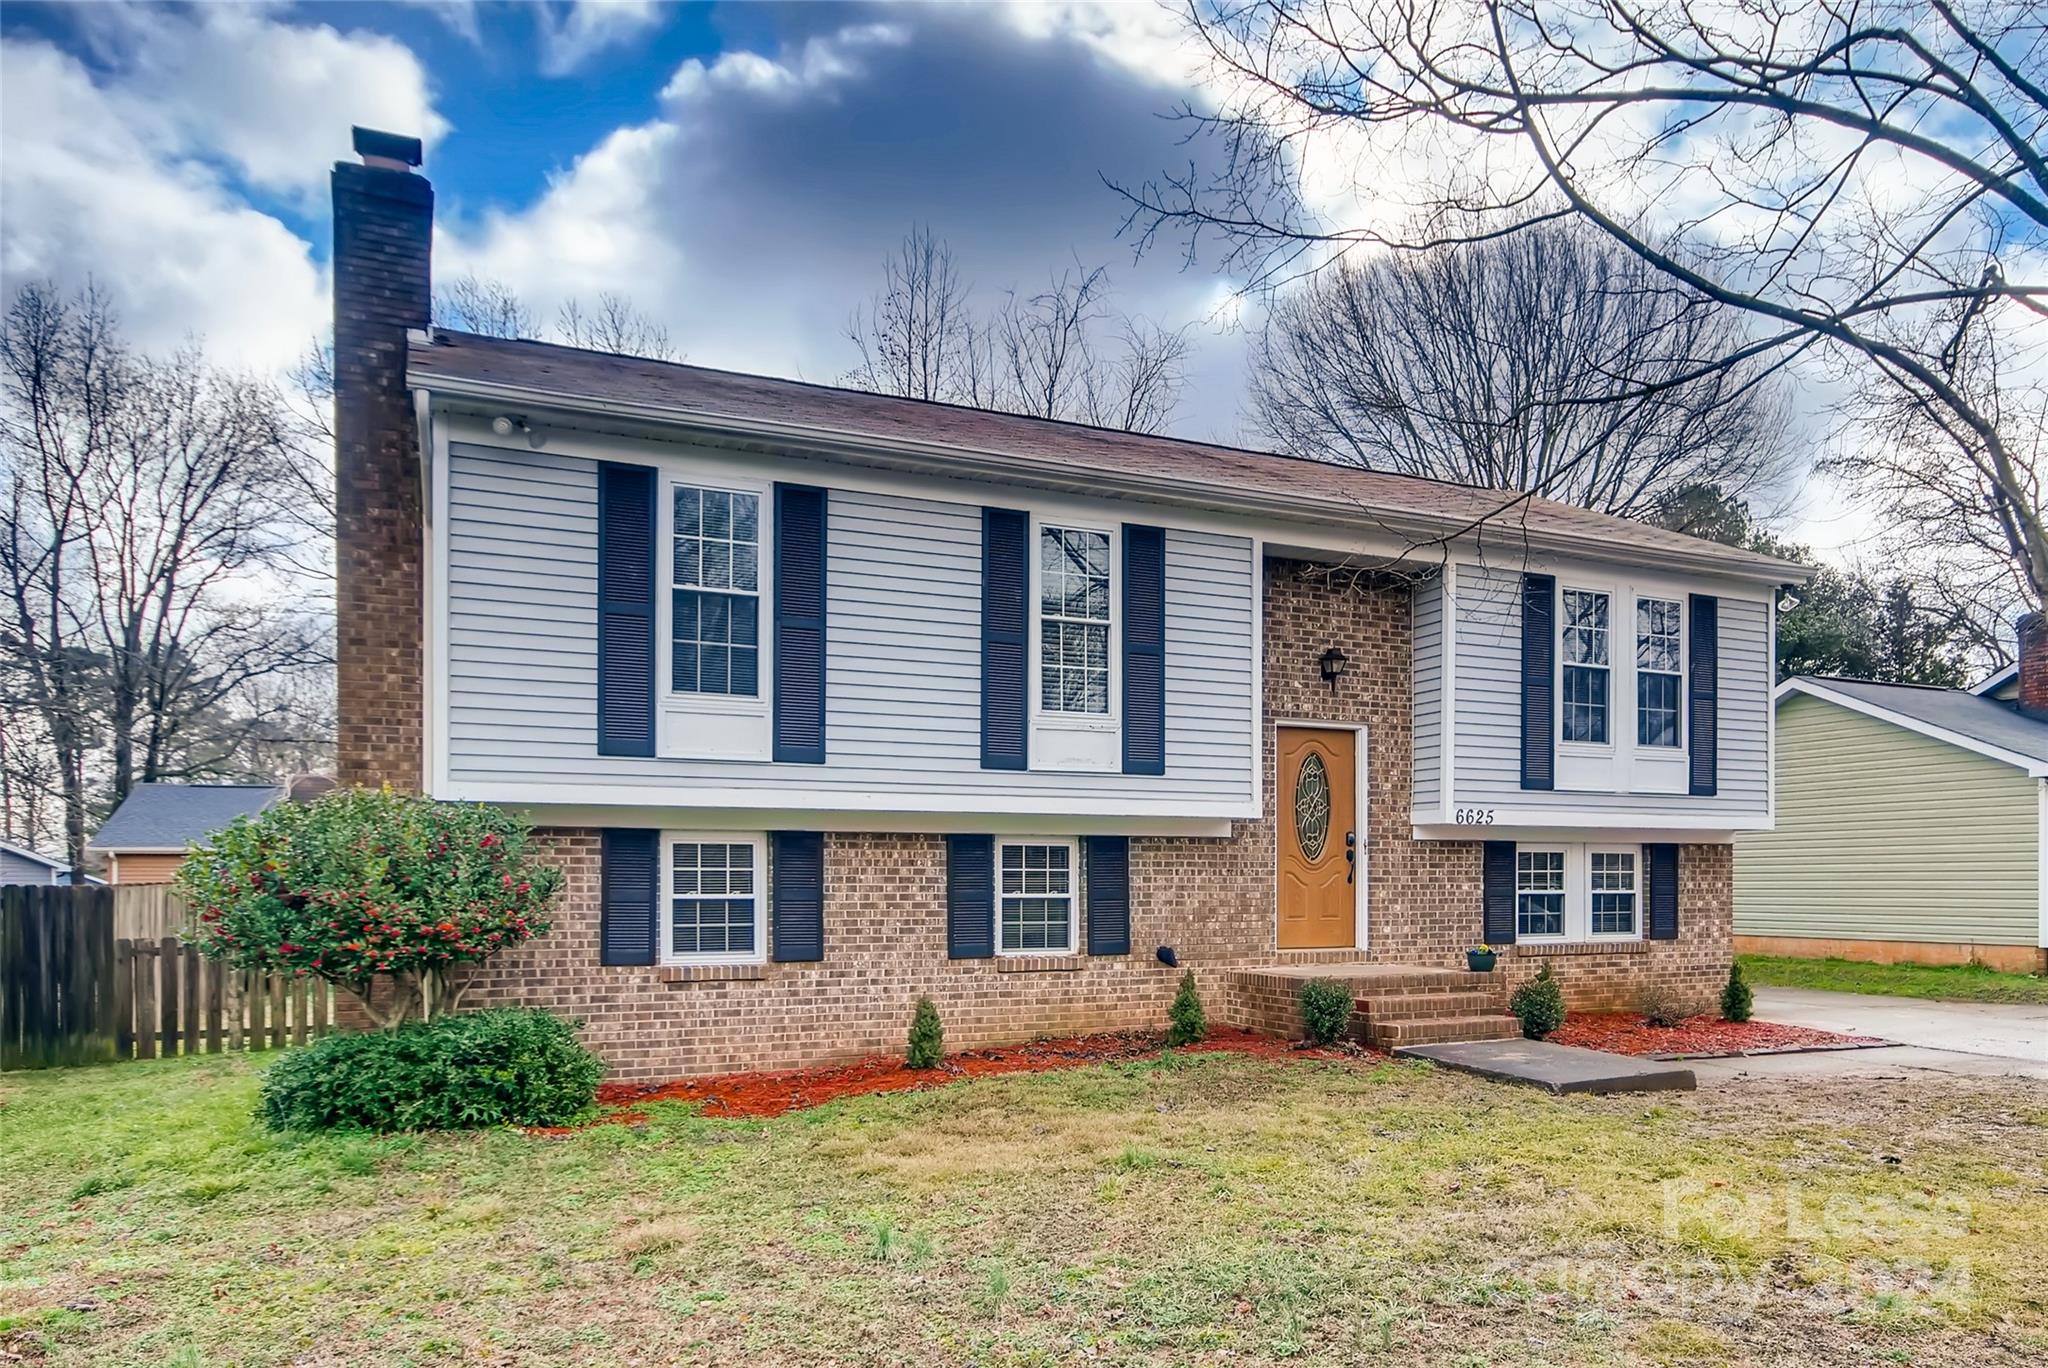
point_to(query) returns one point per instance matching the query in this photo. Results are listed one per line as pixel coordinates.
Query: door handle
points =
(1350, 855)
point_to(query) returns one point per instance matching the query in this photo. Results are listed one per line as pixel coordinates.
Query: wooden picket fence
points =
(72, 992)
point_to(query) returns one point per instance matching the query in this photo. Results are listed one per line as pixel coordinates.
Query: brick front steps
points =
(1395, 1004)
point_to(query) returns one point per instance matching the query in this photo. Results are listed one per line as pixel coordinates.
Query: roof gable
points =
(1955, 716)
(169, 817)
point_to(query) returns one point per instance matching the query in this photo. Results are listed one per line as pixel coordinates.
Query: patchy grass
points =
(1193, 1209)
(1943, 982)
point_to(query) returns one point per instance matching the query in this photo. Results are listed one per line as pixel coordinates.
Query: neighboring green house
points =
(1912, 825)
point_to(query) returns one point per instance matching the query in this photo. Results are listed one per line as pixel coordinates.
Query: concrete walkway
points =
(2011, 1031)
(1556, 1068)
(1978, 1039)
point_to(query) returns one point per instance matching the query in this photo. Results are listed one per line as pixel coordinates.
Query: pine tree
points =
(927, 1037)
(1186, 1022)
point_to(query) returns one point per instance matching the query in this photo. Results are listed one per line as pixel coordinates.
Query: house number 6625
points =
(1475, 816)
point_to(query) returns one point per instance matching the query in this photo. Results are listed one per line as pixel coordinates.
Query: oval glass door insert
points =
(1312, 806)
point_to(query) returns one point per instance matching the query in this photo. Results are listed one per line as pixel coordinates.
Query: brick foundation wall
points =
(1212, 899)
(383, 222)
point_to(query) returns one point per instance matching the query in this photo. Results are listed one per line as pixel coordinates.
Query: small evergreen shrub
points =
(1186, 1023)
(1662, 1006)
(927, 1037)
(1737, 1002)
(1539, 1004)
(1325, 1009)
(513, 1066)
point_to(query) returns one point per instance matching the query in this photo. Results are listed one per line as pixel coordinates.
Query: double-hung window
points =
(715, 899)
(1035, 902)
(1659, 670)
(1612, 885)
(1539, 894)
(1073, 621)
(1587, 665)
(715, 630)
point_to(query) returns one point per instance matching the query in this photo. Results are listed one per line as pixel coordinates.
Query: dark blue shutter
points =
(629, 895)
(1144, 650)
(1539, 681)
(799, 624)
(796, 869)
(1005, 632)
(1663, 862)
(970, 897)
(1108, 859)
(625, 609)
(1497, 898)
(1702, 696)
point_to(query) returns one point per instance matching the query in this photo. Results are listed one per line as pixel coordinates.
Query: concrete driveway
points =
(1941, 1037)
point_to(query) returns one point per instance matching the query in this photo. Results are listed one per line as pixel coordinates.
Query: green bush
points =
(1737, 1002)
(1186, 1023)
(367, 884)
(1325, 1009)
(514, 1066)
(927, 1037)
(1540, 1004)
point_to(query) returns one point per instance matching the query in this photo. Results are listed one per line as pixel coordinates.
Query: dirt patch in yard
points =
(775, 1092)
(1701, 1037)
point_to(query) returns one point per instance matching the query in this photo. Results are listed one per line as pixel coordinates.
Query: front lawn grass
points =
(1942, 982)
(1204, 1209)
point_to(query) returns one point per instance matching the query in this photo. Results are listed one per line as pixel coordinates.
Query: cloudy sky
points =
(740, 171)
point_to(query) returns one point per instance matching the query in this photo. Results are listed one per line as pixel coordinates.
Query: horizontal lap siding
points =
(903, 655)
(1884, 834)
(1489, 710)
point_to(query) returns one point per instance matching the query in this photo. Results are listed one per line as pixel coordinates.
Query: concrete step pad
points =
(1399, 1006)
(1553, 1067)
(1393, 1035)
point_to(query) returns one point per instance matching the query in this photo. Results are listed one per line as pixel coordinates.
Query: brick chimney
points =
(383, 233)
(2033, 633)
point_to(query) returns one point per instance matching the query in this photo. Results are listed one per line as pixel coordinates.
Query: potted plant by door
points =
(1480, 959)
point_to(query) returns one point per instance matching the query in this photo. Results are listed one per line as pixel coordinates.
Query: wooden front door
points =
(1317, 809)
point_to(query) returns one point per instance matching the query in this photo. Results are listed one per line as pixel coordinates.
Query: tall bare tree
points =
(487, 305)
(1536, 362)
(613, 324)
(143, 553)
(1059, 352)
(1866, 179)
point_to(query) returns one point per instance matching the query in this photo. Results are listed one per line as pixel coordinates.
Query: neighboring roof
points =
(169, 817)
(25, 853)
(2005, 678)
(1227, 477)
(1957, 716)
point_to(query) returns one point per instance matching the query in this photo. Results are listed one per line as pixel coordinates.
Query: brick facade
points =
(383, 223)
(2033, 678)
(1212, 899)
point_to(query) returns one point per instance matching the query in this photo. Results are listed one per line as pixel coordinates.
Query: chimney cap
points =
(378, 148)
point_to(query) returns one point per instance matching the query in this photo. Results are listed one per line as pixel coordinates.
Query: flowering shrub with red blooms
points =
(364, 884)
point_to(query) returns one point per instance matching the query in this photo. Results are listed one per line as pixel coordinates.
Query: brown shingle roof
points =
(1322, 491)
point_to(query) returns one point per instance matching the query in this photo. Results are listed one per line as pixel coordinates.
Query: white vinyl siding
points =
(1428, 706)
(1885, 834)
(1487, 667)
(903, 667)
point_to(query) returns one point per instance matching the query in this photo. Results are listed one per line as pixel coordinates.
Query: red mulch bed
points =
(1627, 1033)
(741, 1095)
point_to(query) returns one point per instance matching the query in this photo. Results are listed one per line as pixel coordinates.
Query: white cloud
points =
(85, 197)
(572, 35)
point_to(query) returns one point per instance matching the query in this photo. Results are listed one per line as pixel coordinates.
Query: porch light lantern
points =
(1333, 663)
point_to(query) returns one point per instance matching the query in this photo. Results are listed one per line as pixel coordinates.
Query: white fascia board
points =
(790, 798)
(1293, 510)
(2034, 769)
(1534, 824)
(672, 817)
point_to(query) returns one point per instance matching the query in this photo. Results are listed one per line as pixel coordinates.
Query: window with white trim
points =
(1539, 893)
(715, 625)
(1612, 887)
(1576, 892)
(1073, 620)
(715, 903)
(1587, 666)
(1036, 908)
(1659, 670)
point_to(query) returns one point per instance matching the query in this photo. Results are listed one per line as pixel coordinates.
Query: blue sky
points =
(739, 170)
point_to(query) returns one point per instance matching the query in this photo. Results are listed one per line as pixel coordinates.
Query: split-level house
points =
(825, 700)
